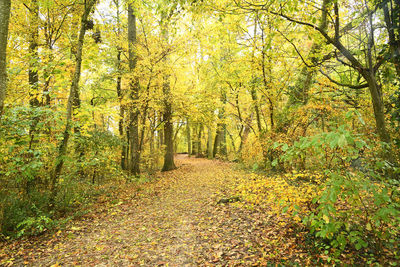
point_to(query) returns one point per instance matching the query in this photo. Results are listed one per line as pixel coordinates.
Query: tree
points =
(299, 94)
(169, 163)
(33, 54)
(391, 11)
(133, 128)
(120, 94)
(367, 68)
(74, 90)
(5, 6)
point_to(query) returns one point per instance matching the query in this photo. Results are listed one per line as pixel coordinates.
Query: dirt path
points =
(175, 223)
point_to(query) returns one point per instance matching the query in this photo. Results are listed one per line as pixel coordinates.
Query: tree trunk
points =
(392, 26)
(199, 148)
(220, 141)
(220, 137)
(378, 106)
(168, 133)
(209, 143)
(134, 167)
(33, 78)
(168, 126)
(120, 95)
(194, 138)
(160, 138)
(224, 148)
(62, 147)
(5, 6)
(33, 54)
(256, 109)
(121, 114)
(189, 140)
(217, 140)
(246, 132)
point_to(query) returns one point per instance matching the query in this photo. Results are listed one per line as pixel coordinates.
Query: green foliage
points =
(356, 213)
(26, 160)
(334, 149)
(17, 210)
(95, 159)
(395, 115)
(34, 225)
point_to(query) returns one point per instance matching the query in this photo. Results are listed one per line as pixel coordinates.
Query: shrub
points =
(355, 213)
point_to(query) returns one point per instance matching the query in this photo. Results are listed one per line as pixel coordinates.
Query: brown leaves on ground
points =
(175, 221)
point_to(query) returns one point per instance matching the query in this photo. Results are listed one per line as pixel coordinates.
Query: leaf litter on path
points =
(176, 221)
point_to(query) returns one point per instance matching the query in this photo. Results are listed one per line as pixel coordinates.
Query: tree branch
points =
(361, 86)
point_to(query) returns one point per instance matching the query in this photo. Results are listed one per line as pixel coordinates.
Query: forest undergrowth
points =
(181, 218)
(211, 213)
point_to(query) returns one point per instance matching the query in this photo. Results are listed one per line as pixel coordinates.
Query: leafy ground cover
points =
(175, 221)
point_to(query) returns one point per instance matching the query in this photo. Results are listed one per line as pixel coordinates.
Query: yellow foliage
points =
(284, 196)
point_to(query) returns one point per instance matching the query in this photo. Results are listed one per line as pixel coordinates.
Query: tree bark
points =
(199, 148)
(188, 137)
(62, 147)
(378, 106)
(33, 54)
(169, 163)
(134, 167)
(392, 26)
(209, 143)
(217, 140)
(245, 134)
(120, 94)
(121, 114)
(256, 109)
(220, 137)
(5, 6)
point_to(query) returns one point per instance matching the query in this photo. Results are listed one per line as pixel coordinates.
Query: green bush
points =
(328, 150)
(34, 225)
(355, 213)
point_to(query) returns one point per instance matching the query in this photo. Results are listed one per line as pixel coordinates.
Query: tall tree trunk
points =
(220, 137)
(392, 25)
(256, 109)
(199, 148)
(223, 150)
(245, 134)
(33, 54)
(210, 143)
(168, 130)
(33, 78)
(217, 140)
(134, 167)
(188, 138)
(5, 6)
(160, 137)
(152, 131)
(194, 139)
(62, 147)
(121, 114)
(377, 104)
(224, 147)
(169, 163)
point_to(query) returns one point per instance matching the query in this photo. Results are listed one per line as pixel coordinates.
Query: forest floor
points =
(175, 221)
